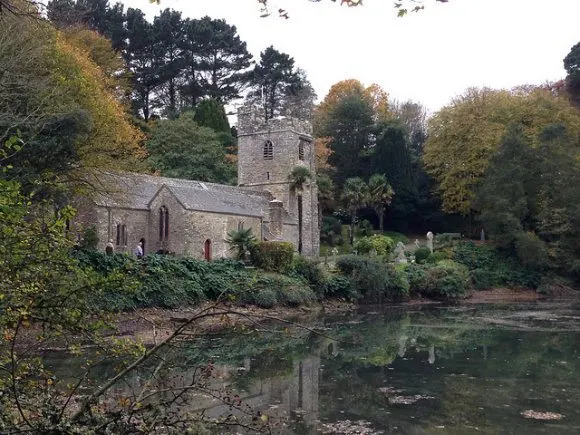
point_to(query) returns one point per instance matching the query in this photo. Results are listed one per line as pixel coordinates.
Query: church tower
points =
(268, 152)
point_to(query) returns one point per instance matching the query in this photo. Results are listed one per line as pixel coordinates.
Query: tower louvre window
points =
(268, 150)
(301, 150)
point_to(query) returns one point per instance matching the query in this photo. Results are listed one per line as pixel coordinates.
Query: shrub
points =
(421, 254)
(531, 250)
(311, 272)
(268, 290)
(508, 270)
(435, 257)
(90, 239)
(264, 298)
(340, 287)
(445, 240)
(274, 256)
(485, 278)
(375, 282)
(396, 237)
(447, 279)
(417, 278)
(383, 245)
(296, 295)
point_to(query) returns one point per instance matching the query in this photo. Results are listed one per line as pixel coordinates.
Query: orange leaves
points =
(113, 142)
(321, 153)
(376, 97)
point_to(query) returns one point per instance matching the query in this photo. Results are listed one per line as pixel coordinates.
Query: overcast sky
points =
(428, 57)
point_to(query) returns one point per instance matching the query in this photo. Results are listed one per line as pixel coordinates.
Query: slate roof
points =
(136, 191)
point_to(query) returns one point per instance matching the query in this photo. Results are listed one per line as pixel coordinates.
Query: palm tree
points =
(241, 241)
(380, 195)
(355, 196)
(298, 178)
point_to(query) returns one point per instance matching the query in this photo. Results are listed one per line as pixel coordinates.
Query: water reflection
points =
(451, 370)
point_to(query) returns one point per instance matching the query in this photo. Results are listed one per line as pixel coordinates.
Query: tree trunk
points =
(381, 220)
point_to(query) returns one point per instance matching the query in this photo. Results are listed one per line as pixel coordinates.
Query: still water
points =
(433, 370)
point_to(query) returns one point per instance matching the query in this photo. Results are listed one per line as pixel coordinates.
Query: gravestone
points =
(430, 241)
(417, 244)
(400, 252)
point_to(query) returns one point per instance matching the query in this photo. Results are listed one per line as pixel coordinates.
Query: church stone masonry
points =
(193, 218)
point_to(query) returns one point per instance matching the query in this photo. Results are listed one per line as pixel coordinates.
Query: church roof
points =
(136, 191)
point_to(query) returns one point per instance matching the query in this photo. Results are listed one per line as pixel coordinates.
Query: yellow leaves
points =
(113, 142)
(464, 135)
(376, 97)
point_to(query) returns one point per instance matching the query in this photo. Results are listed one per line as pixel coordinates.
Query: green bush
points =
(445, 240)
(277, 289)
(483, 279)
(264, 298)
(417, 278)
(531, 251)
(383, 245)
(447, 279)
(421, 254)
(340, 287)
(435, 257)
(311, 272)
(508, 270)
(374, 281)
(396, 237)
(273, 256)
(90, 239)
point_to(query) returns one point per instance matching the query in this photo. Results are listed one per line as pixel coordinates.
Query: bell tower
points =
(268, 152)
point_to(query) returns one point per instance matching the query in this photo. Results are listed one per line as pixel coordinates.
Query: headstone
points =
(430, 241)
(417, 244)
(482, 235)
(334, 251)
(400, 251)
(373, 253)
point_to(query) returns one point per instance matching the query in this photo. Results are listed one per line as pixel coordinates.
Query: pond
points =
(493, 369)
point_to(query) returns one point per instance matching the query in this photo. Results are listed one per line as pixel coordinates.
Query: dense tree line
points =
(175, 62)
(364, 135)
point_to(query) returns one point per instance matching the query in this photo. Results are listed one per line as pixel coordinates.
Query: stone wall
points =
(202, 226)
(135, 222)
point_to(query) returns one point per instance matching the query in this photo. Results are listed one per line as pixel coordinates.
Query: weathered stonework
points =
(198, 216)
(292, 145)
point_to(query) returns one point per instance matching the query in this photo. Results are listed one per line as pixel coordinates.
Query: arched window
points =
(121, 235)
(240, 225)
(163, 224)
(268, 150)
(301, 150)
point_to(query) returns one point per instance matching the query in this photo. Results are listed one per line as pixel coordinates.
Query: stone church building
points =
(193, 218)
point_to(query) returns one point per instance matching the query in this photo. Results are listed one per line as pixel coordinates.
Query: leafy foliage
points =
(180, 148)
(273, 256)
(374, 281)
(242, 242)
(465, 135)
(421, 254)
(382, 245)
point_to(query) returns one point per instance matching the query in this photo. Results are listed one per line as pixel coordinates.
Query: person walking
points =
(138, 250)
